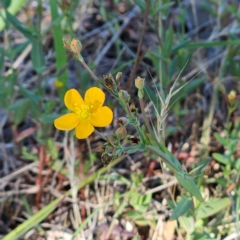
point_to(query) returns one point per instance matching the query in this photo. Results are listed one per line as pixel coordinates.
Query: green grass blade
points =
(32, 221)
(61, 59)
(211, 44)
(43, 213)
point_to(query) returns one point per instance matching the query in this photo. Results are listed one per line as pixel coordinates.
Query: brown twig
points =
(138, 57)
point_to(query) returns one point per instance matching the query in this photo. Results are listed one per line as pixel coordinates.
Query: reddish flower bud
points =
(121, 133)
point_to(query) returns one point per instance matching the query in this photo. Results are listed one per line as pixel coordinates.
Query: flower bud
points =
(109, 81)
(232, 96)
(139, 83)
(121, 133)
(124, 95)
(76, 46)
(118, 77)
(67, 44)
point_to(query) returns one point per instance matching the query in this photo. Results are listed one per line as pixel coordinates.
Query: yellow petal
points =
(84, 129)
(102, 117)
(72, 99)
(94, 95)
(67, 121)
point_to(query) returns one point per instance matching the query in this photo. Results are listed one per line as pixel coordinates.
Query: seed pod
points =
(106, 158)
(109, 81)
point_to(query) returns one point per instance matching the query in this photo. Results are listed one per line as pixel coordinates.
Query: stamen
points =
(84, 111)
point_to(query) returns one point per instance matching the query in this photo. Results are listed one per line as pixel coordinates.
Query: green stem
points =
(100, 135)
(146, 119)
(139, 130)
(80, 58)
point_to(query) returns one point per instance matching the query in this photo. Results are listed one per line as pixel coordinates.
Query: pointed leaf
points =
(21, 27)
(20, 109)
(221, 158)
(13, 8)
(213, 206)
(162, 7)
(187, 223)
(223, 141)
(37, 56)
(188, 183)
(182, 207)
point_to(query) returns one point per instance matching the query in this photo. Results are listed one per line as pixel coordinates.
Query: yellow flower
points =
(85, 114)
(58, 84)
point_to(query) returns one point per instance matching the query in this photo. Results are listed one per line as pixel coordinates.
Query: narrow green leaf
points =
(174, 160)
(223, 141)
(61, 59)
(35, 98)
(167, 47)
(221, 158)
(162, 7)
(1, 57)
(37, 56)
(133, 214)
(187, 223)
(212, 44)
(45, 211)
(180, 45)
(32, 221)
(170, 203)
(213, 206)
(20, 109)
(14, 7)
(21, 27)
(188, 183)
(48, 118)
(181, 208)
(141, 4)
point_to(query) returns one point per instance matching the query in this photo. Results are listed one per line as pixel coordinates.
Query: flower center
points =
(84, 111)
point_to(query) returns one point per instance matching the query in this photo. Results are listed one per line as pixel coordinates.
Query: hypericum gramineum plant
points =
(89, 113)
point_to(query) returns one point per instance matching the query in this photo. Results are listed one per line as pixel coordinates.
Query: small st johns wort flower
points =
(85, 114)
